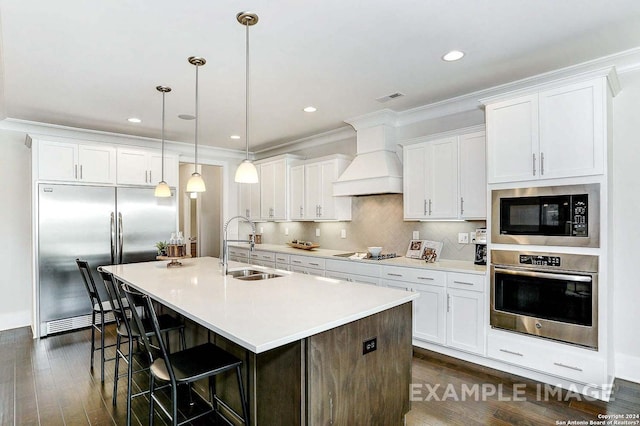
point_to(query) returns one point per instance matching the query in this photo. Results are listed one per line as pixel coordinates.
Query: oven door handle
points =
(553, 276)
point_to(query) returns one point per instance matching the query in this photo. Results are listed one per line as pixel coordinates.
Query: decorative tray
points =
(303, 245)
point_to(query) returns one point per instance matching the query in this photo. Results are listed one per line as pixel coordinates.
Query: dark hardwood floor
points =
(48, 382)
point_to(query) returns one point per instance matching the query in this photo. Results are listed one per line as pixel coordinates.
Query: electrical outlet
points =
(317, 232)
(369, 345)
(472, 237)
(262, 230)
(416, 235)
(463, 238)
(343, 233)
(286, 231)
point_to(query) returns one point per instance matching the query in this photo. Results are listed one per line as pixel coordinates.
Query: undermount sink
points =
(257, 277)
(251, 275)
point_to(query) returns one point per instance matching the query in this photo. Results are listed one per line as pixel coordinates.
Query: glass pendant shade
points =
(195, 183)
(246, 172)
(162, 190)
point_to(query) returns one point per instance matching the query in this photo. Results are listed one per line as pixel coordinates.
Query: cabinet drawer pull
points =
(296, 261)
(429, 206)
(80, 171)
(511, 352)
(266, 257)
(314, 264)
(425, 278)
(75, 171)
(570, 367)
(394, 275)
(541, 163)
(461, 206)
(462, 282)
(425, 207)
(534, 164)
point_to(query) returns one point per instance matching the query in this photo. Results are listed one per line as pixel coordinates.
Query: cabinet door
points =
(512, 139)
(296, 189)
(170, 167)
(313, 189)
(97, 164)
(267, 190)
(465, 320)
(414, 182)
(429, 314)
(280, 191)
(327, 177)
(244, 199)
(57, 161)
(442, 179)
(572, 130)
(472, 176)
(133, 167)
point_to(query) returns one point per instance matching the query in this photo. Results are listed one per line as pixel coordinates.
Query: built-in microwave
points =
(555, 216)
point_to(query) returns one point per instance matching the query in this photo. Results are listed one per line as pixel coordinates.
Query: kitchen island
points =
(316, 350)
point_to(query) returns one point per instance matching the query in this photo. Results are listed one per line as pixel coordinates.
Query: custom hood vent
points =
(376, 169)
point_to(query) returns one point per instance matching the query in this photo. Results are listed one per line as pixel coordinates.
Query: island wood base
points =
(326, 379)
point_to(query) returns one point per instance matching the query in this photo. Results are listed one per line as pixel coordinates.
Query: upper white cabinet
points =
(76, 162)
(311, 190)
(445, 178)
(143, 167)
(249, 197)
(274, 189)
(555, 133)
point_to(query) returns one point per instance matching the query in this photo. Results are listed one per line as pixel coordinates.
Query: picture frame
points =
(415, 249)
(431, 251)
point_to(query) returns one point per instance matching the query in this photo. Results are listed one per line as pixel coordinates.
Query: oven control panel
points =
(529, 259)
(579, 205)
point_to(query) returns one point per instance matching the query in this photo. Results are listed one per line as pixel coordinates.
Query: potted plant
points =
(161, 246)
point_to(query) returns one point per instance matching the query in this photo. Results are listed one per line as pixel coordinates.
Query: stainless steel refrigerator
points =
(99, 224)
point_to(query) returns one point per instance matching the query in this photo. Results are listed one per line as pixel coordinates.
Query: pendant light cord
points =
(162, 158)
(197, 115)
(247, 93)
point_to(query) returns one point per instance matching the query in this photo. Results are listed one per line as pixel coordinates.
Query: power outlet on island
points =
(463, 238)
(369, 345)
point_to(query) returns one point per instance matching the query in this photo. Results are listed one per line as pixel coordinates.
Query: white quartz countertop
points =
(443, 265)
(258, 315)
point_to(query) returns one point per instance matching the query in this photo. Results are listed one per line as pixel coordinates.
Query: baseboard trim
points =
(13, 320)
(628, 367)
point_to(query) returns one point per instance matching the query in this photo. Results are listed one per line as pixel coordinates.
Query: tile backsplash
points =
(377, 220)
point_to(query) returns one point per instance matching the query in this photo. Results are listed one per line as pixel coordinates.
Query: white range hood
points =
(376, 169)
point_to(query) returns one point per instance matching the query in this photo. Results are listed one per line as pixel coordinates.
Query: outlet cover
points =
(472, 237)
(416, 235)
(463, 238)
(286, 231)
(317, 232)
(261, 230)
(343, 233)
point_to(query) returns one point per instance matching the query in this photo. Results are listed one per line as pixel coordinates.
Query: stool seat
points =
(195, 363)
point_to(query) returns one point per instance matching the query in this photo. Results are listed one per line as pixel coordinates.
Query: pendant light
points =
(195, 182)
(162, 189)
(247, 172)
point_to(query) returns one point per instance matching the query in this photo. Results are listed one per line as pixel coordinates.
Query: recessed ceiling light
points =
(134, 120)
(310, 109)
(235, 137)
(454, 55)
(187, 116)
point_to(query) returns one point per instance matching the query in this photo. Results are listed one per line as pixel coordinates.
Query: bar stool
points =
(184, 368)
(100, 307)
(130, 332)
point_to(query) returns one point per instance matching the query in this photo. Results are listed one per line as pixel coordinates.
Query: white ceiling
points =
(93, 64)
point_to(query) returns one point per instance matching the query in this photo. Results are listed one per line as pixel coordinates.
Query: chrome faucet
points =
(225, 242)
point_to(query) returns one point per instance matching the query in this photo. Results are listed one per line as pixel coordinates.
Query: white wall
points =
(626, 232)
(15, 231)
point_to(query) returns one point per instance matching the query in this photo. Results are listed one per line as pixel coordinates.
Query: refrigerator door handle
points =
(120, 239)
(113, 237)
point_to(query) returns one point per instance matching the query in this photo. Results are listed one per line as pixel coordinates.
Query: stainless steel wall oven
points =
(550, 295)
(566, 215)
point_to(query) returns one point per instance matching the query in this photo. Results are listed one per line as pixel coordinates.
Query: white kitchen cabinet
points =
(555, 133)
(238, 254)
(308, 265)
(144, 167)
(297, 191)
(356, 272)
(311, 190)
(465, 320)
(472, 175)
(445, 178)
(283, 261)
(249, 198)
(274, 187)
(263, 258)
(73, 162)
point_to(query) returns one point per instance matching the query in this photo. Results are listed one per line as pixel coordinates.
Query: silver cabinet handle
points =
(150, 178)
(511, 352)
(393, 275)
(80, 171)
(314, 264)
(462, 282)
(448, 302)
(425, 207)
(320, 211)
(541, 163)
(534, 164)
(75, 171)
(429, 206)
(461, 206)
(120, 239)
(425, 278)
(296, 261)
(301, 211)
(559, 364)
(247, 213)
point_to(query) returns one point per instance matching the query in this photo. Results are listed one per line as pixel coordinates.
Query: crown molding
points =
(331, 136)
(54, 132)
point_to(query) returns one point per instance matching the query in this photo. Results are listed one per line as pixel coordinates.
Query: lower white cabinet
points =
(238, 254)
(308, 265)
(450, 309)
(283, 261)
(263, 258)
